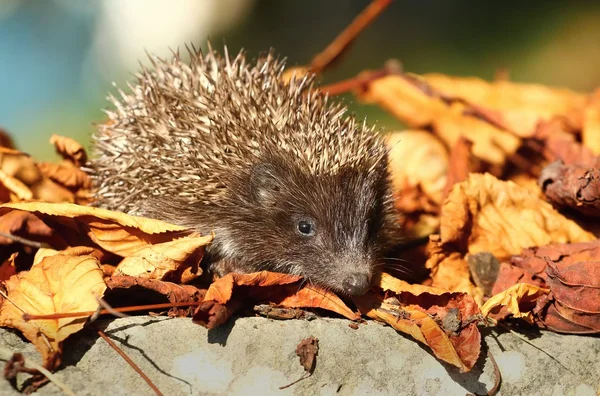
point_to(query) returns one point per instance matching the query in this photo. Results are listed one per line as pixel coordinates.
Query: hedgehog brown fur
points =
(283, 177)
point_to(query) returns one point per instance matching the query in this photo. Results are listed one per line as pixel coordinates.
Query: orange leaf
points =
(69, 149)
(231, 292)
(444, 321)
(115, 232)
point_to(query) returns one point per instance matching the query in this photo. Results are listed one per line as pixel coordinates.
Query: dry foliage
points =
(499, 172)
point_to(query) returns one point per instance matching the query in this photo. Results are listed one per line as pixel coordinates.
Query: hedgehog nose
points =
(357, 284)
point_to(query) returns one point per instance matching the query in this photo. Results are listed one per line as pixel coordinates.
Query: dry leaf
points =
(446, 322)
(8, 268)
(484, 214)
(452, 337)
(231, 292)
(69, 149)
(66, 174)
(420, 108)
(21, 176)
(114, 232)
(307, 351)
(572, 186)
(29, 226)
(460, 164)
(159, 260)
(590, 133)
(59, 284)
(518, 107)
(409, 151)
(518, 301)
(125, 290)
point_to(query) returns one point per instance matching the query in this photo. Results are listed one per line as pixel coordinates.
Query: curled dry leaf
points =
(409, 151)
(572, 186)
(114, 232)
(419, 107)
(518, 301)
(59, 284)
(446, 322)
(66, 174)
(20, 175)
(232, 291)
(576, 292)
(69, 149)
(307, 351)
(162, 259)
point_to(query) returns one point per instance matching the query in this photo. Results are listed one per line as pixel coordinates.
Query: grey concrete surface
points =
(255, 356)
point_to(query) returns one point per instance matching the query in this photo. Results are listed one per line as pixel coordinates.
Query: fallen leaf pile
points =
(502, 176)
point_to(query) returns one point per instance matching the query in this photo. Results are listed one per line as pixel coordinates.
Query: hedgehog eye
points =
(306, 228)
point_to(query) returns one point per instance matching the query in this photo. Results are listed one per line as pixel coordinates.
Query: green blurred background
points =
(58, 58)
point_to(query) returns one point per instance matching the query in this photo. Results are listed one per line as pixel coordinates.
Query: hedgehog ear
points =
(265, 183)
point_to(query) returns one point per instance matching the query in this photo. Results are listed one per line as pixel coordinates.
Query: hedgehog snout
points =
(357, 283)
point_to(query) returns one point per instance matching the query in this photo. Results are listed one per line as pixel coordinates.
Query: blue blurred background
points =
(59, 57)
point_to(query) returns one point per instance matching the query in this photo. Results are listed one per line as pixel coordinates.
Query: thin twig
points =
(497, 374)
(62, 315)
(5, 354)
(339, 44)
(360, 81)
(24, 241)
(535, 346)
(129, 361)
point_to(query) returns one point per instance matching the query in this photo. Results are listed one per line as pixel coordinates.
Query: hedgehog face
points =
(326, 228)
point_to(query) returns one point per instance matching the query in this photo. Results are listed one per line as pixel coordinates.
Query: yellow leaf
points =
(59, 284)
(154, 261)
(115, 232)
(512, 298)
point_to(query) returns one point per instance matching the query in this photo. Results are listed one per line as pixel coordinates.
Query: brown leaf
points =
(69, 149)
(8, 268)
(125, 289)
(460, 164)
(232, 291)
(114, 232)
(572, 186)
(59, 284)
(559, 143)
(307, 351)
(6, 140)
(486, 214)
(444, 321)
(29, 226)
(420, 108)
(66, 174)
(576, 292)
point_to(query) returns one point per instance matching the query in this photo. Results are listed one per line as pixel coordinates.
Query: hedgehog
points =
(285, 179)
